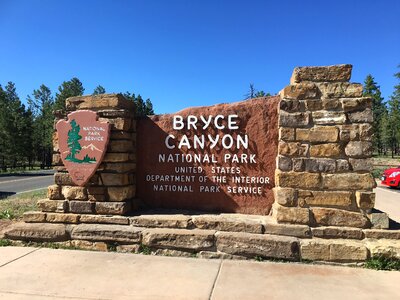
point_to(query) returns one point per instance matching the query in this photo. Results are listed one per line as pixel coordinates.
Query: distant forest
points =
(26, 131)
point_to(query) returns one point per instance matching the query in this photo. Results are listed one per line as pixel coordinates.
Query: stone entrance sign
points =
(83, 142)
(219, 158)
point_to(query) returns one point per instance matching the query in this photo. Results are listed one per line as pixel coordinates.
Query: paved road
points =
(388, 200)
(31, 273)
(19, 183)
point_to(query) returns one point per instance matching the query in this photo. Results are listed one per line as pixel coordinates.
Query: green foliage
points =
(5, 243)
(99, 90)
(6, 214)
(143, 249)
(71, 88)
(382, 262)
(143, 108)
(253, 93)
(14, 207)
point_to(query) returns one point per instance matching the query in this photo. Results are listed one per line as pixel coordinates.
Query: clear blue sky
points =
(192, 53)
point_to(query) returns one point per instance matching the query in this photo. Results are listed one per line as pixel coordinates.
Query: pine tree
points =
(99, 90)
(73, 141)
(371, 89)
(394, 117)
(68, 89)
(143, 108)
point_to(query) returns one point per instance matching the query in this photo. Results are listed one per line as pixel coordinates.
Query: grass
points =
(13, 207)
(383, 263)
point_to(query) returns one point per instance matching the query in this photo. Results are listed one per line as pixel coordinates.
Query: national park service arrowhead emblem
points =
(83, 143)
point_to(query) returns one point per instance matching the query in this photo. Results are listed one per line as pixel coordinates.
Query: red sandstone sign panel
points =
(83, 142)
(219, 158)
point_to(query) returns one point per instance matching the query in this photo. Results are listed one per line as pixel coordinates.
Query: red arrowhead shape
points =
(83, 143)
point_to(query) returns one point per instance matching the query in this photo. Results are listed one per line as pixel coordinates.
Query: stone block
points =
(284, 163)
(297, 179)
(340, 89)
(120, 146)
(286, 134)
(257, 245)
(74, 192)
(120, 167)
(365, 200)
(306, 90)
(36, 232)
(285, 196)
(331, 104)
(291, 105)
(112, 208)
(81, 207)
(172, 252)
(382, 234)
(319, 165)
(385, 248)
(332, 232)
(219, 255)
(356, 104)
(341, 73)
(134, 248)
(116, 157)
(99, 102)
(63, 179)
(114, 179)
(348, 181)
(121, 193)
(272, 227)
(54, 192)
(349, 132)
(326, 150)
(95, 198)
(379, 220)
(162, 221)
(337, 217)
(323, 117)
(34, 217)
(361, 164)
(235, 223)
(56, 159)
(301, 119)
(292, 149)
(342, 165)
(180, 239)
(293, 215)
(52, 205)
(115, 113)
(325, 198)
(62, 218)
(298, 164)
(366, 132)
(318, 134)
(364, 116)
(123, 135)
(106, 233)
(96, 190)
(314, 104)
(102, 219)
(335, 251)
(359, 149)
(117, 124)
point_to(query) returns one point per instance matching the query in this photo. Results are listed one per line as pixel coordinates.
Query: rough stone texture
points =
(306, 90)
(101, 219)
(301, 231)
(236, 223)
(62, 218)
(116, 157)
(325, 198)
(364, 116)
(191, 240)
(219, 255)
(365, 200)
(255, 245)
(337, 217)
(318, 134)
(359, 149)
(297, 180)
(106, 233)
(294, 119)
(323, 74)
(162, 221)
(286, 134)
(81, 207)
(332, 232)
(333, 250)
(383, 247)
(348, 181)
(74, 192)
(320, 165)
(293, 215)
(112, 208)
(382, 234)
(379, 220)
(54, 192)
(340, 89)
(37, 232)
(52, 205)
(361, 164)
(121, 193)
(324, 117)
(284, 163)
(356, 104)
(326, 150)
(172, 252)
(293, 149)
(112, 179)
(97, 102)
(285, 196)
(135, 248)
(34, 217)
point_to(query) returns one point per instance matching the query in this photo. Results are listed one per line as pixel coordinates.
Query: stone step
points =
(37, 232)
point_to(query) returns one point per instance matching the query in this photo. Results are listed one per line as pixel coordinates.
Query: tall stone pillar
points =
(325, 145)
(110, 191)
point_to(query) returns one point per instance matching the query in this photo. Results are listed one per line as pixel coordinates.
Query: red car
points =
(391, 177)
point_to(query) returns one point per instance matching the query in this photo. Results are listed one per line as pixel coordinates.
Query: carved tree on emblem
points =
(74, 145)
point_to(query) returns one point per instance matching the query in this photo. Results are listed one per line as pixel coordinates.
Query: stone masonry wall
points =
(110, 191)
(323, 167)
